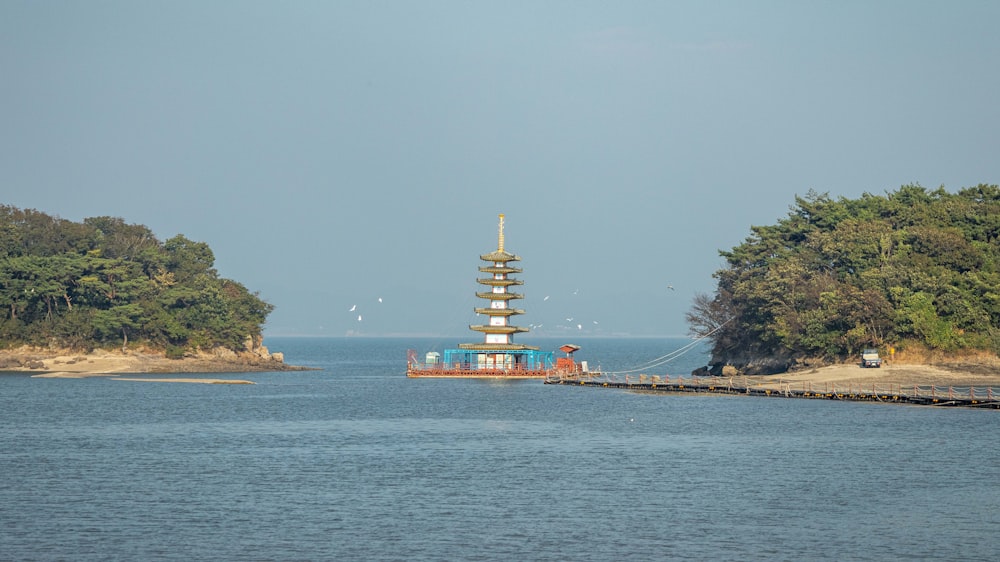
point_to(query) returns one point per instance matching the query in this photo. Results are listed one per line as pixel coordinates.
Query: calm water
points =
(356, 462)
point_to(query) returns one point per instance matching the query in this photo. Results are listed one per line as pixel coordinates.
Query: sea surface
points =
(353, 461)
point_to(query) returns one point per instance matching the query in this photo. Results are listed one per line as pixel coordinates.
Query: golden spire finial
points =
(500, 240)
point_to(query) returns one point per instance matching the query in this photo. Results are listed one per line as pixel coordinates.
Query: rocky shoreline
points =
(70, 362)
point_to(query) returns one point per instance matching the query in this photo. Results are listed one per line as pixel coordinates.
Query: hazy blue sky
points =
(335, 153)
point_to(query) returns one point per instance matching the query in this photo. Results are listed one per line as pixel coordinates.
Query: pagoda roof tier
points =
(498, 347)
(499, 311)
(499, 296)
(499, 282)
(495, 269)
(498, 329)
(499, 256)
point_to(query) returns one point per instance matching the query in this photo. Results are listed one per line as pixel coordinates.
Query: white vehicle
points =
(870, 358)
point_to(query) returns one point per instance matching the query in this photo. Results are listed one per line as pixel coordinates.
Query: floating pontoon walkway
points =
(969, 397)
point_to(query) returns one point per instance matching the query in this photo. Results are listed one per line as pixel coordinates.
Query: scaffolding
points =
(506, 359)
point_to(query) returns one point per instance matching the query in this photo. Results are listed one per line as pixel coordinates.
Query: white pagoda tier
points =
(499, 332)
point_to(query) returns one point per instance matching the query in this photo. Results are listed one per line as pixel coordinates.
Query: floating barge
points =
(967, 397)
(497, 356)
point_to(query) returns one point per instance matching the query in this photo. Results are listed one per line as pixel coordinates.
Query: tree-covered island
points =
(106, 284)
(914, 271)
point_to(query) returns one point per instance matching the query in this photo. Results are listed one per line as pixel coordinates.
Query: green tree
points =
(187, 259)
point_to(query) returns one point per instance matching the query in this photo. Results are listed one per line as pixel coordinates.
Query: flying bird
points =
(579, 326)
(380, 299)
(671, 287)
(546, 298)
(359, 318)
(353, 308)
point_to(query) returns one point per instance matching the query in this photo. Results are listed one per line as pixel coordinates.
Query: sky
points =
(356, 154)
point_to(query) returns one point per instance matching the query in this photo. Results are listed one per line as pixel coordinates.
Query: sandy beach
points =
(944, 375)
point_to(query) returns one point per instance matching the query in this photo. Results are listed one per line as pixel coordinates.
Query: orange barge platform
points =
(459, 364)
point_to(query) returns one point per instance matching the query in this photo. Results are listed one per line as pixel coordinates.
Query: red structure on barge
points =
(497, 356)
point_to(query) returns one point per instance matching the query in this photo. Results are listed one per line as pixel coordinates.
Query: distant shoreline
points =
(70, 364)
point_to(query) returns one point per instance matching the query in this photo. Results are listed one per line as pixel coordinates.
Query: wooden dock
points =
(968, 397)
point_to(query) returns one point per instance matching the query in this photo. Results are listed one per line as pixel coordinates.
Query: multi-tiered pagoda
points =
(497, 355)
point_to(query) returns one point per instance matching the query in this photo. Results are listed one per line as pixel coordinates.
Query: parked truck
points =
(870, 358)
